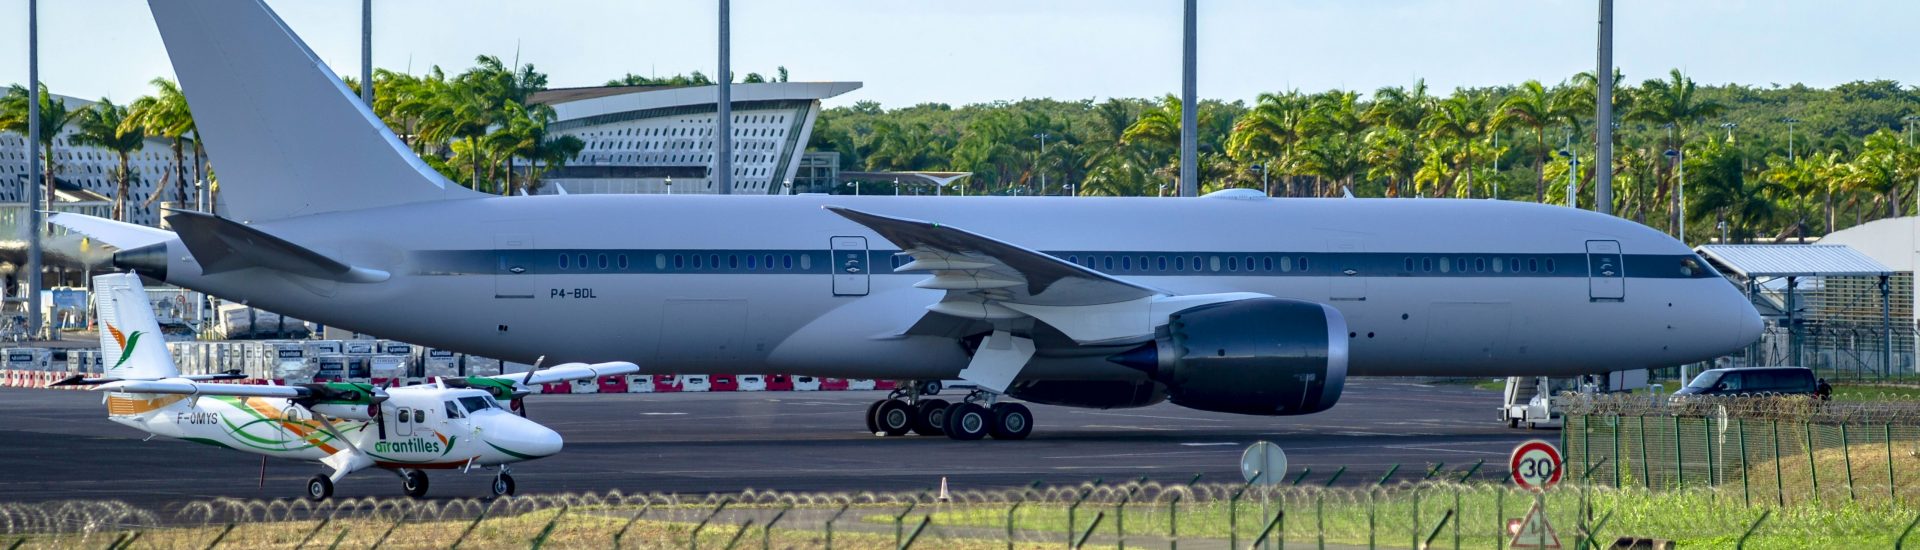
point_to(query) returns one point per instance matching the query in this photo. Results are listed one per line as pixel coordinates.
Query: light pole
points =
(1189, 104)
(1263, 178)
(856, 186)
(723, 131)
(1041, 165)
(33, 169)
(786, 186)
(1790, 153)
(1573, 178)
(896, 187)
(1729, 126)
(1679, 194)
(669, 185)
(1603, 113)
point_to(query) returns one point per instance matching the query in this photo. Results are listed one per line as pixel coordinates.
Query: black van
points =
(1758, 381)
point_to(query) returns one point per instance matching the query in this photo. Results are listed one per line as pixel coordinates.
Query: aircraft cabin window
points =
(405, 415)
(1163, 263)
(713, 260)
(622, 262)
(1462, 265)
(1513, 265)
(1233, 263)
(1533, 265)
(1213, 263)
(563, 261)
(1143, 263)
(806, 262)
(1446, 265)
(1498, 265)
(1549, 265)
(1303, 263)
(1267, 264)
(767, 260)
(679, 261)
(1409, 264)
(1286, 264)
(602, 261)
(1108, 260)
(1126, 264)
(697, 261)
(583, 261)
(419, 416)
(1480, 265)
(750, 262)
(1075, 260)
(786, 261)
(1179, 263)
(660, 262)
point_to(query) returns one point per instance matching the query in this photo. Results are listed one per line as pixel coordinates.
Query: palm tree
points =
(1462, 118)
(1401, 108)
(1270, 132)
(103, 125)
(54, 117)
(1675, 102)
(1722, 190)
(1532, 107)
(165, 114)
(1391, 156)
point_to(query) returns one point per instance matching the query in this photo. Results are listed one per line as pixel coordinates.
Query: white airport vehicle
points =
(1534, 401)
(1233, 302)
(451, 424)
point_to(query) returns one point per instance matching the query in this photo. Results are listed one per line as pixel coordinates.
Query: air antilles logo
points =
(443, 445)
(127, 342)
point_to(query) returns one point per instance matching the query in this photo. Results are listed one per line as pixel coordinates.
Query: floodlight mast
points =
(34, 176)
(723, 135)
(1603, 117)
(1189, 108)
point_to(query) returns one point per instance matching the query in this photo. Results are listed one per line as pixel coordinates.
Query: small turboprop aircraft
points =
(450, 424)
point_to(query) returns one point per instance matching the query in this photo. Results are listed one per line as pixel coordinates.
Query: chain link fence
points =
(1765, 450)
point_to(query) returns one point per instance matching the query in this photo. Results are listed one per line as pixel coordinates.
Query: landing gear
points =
(967, 421)
(930, 417)
(1011, 421)
(319, 488)
(414, 482)
(891, 417)
(502, 485)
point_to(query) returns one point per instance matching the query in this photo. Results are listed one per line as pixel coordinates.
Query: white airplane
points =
(1232, 302)
(449, 424)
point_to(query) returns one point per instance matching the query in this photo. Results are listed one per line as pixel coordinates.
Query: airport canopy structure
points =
(1829, 299)
(1751, 261)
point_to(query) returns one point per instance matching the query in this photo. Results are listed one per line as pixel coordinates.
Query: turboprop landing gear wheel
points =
(1011, 421)
(502, 485)
(893, 418)
(415, 483)
(930, 417)
(319, 488)
(968, 421)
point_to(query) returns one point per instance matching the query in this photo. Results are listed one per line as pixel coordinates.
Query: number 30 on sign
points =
(1536, 465)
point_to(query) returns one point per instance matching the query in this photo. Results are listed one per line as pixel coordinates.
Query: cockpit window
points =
(453, 411)
(1690, 266)
(477, 403)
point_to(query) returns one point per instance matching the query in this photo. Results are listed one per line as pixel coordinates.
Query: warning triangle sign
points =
(1533, 531)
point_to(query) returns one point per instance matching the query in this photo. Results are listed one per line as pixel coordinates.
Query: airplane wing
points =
(570, 371)
(996, 282)
(121, 235)
(187, 387)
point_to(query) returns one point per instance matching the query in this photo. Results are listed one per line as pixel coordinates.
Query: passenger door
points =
(1606, 276)
(849, 259)
(513, 266)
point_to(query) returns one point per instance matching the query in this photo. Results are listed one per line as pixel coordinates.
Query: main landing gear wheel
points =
(892, 417)
(319, 488)
(968, 421)
(873, 425)
(502, 485)
(930, 417)
(415, 483)
(1011, 421)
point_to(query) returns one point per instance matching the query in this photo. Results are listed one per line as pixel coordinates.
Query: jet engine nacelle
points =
(1264, 355)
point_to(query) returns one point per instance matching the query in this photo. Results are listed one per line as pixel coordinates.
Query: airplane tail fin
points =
(287, 137)
(130, 338)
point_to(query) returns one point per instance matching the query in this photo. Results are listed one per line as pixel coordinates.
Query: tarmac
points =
(58, 445)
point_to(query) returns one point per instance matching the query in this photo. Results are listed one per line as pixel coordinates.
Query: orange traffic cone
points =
(944, 497)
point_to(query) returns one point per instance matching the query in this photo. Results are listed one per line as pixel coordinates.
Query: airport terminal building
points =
(650, 139)
(85, 175)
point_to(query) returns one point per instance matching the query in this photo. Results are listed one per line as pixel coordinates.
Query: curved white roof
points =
(577, 103)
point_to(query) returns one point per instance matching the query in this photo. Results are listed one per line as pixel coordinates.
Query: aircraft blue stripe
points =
(1124, 264)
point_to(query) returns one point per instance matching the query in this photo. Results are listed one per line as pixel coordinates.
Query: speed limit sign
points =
(1536, 465)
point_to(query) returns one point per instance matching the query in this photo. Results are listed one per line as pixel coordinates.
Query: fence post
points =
(617, 535)
(1268, 530)
(1076, 505)
(1080, 541)
(337, 538)
(316, 531)
(1618, 424)
(1897, 543)
(541, 539)
(766, 531)
(1813, 468)
(899, 531)
(1173, 524)
(1751, 528)
(389, 532)
(216, 538)
(1646, 468)
(693, 541)
(1499, 517)
(1679, 460)
(1746, 494)
(1016, 507)
(1373, 494)
(483, 517)
(1706, 433)
(1120, 517)
(1846, 456)
(744, 526)
(1892, 494)
(836, 517)
(1779, 483)
(1233, 512)
(924, 521)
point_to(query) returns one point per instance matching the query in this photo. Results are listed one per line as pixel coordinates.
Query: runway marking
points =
(1152, 416)
(1117, 427)
(1133, 455)
(1442, 450)
(662, 414)
(1220, 444)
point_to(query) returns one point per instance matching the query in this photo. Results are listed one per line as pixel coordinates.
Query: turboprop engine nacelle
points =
(1255, 355)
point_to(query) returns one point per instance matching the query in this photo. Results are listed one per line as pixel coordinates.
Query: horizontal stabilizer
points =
(121, 235)
(222, 245)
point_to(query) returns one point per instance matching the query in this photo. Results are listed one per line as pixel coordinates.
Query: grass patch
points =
(1875, 392)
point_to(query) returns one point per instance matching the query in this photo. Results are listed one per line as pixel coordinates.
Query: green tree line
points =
(1848, 160)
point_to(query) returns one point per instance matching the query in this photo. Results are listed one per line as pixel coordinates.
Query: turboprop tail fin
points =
(287, 136)
(130, 338)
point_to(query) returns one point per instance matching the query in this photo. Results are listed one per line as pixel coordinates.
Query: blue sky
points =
(912, 51)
